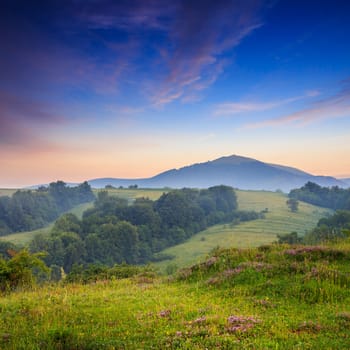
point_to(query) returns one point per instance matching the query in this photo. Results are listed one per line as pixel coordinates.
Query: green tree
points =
(292, 204)
(21, 270)
(290, 238)
(67, 223)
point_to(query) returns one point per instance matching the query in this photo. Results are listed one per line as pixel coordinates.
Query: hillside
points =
(236, 171)
(279, 220)
(280, 297)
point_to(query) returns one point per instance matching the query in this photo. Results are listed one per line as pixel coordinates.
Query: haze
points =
(132, 88)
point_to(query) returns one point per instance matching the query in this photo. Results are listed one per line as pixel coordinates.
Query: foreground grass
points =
(278, 221)
(264, 298)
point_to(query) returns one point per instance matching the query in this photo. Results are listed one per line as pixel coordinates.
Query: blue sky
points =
(131, 88)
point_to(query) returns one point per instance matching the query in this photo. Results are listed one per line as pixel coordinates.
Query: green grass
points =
(23, 238)
(238, 299)
(278, 220)
(130, 194)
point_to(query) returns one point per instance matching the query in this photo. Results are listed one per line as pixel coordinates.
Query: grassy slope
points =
(279, 220)
(279, 300)
(132, 194)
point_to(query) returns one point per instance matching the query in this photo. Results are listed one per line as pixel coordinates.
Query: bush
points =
(21, 270)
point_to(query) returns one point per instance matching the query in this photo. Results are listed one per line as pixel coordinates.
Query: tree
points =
(67, 223)
(290, 238)
(20, 270)
(293, 204)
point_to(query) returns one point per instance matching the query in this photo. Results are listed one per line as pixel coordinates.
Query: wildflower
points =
(164, 313)
(211, 261)
(240, 323)
(200, 319)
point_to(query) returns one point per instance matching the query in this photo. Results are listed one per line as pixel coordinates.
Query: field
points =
(278, 220)
(131, 194)
(279, 297)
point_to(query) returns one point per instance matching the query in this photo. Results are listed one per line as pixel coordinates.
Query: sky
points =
(131, 88)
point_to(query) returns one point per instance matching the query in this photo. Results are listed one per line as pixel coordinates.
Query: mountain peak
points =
(233, 160)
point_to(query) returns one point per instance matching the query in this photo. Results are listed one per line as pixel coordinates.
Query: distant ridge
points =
(236, 171)
(347, 181)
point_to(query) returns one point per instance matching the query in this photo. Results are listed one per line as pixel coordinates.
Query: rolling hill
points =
(239, 172)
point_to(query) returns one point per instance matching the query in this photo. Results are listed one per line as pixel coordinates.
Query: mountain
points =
(347, 181)
(236, 171)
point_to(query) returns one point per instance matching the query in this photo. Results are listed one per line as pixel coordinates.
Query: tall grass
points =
(277, 297)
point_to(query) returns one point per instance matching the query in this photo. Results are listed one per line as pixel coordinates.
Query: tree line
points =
(115, 232)
(336, 226)
(28, 210)
(329, 197)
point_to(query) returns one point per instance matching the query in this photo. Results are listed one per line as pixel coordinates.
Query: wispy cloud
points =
(232, 108)
(187, 39)
(18, 118)
(335, 106)
(200, 34)
(171, 49)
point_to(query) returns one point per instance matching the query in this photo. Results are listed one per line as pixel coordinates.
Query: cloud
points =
(18, 119)
(335, 106)
(200, 35)
(170, 49)
(227, 109)
(185, 40)
(128, 15)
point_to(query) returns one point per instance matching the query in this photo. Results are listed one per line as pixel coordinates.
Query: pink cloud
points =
(231, 108)
(18, 119)
(336, 106)
(97, 46)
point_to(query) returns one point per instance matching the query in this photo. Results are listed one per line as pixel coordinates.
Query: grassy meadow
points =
(274, 297)
(131, 194)
(278, 220)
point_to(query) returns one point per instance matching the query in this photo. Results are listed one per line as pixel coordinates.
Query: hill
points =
(236, 171)
(273, 297)
(279, 220)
